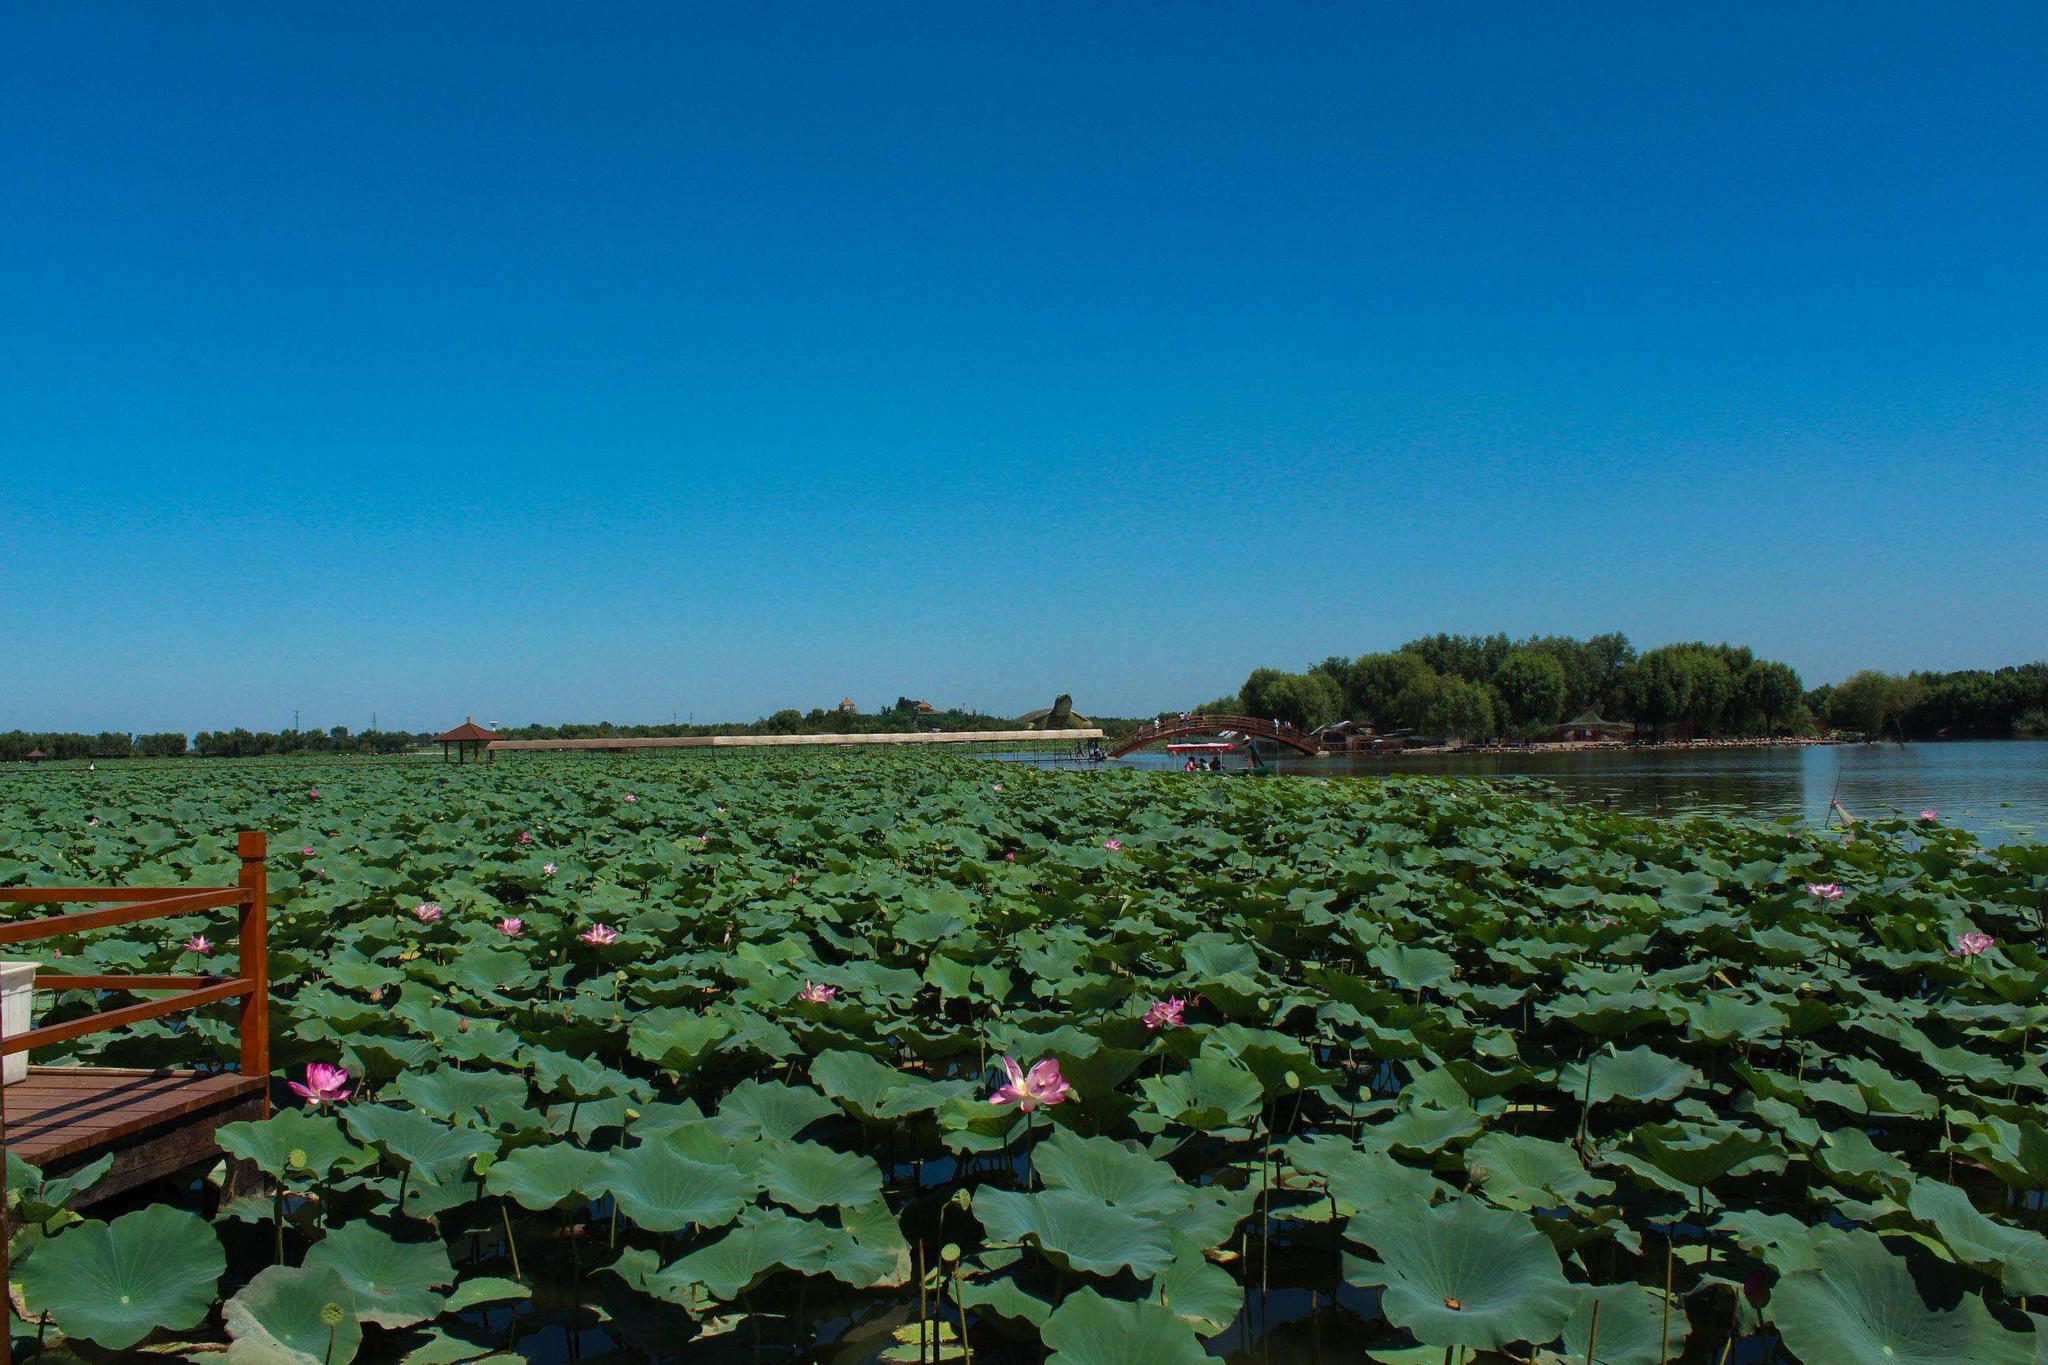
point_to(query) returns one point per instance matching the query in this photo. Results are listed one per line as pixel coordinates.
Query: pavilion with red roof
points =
(466, 739)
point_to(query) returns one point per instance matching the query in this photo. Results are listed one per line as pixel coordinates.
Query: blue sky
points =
(547, 363)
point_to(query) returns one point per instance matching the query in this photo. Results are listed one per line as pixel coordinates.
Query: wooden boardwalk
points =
(618, 743)
(153, 1123)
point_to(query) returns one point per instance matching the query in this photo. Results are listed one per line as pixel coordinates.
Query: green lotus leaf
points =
(676, 1044)
(484, 1289)
(2018, 1256)
(1464, 1274)
(579, 1078)
(115, 1283)
(432, 1148)
(36, 1198)
(1358, 1179)
(1076, 1230)
(1088, 1329)
(294, 1145)
(756, 1109)
(1519, 1172)
(1700, 1156)
(1639, 1075)
(462, 1097)
(664, 1191)
(1412, 969)
(294, 1315)
(871, 1090)
(808, 1176)
(1111, 1171)
(393, 1281)
(1212, 1093)
(1424, 1129)
(1860, 1304)
(1203, 1294)
(1722, 1019)
(545, 1177)
(1634, 1327)
(767, 1241)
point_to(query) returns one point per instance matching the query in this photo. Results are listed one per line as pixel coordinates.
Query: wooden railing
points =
(128, 904)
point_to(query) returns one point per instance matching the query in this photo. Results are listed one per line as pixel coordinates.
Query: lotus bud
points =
(462, 1025)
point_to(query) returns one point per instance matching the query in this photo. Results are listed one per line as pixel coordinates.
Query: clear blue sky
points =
(551, 362)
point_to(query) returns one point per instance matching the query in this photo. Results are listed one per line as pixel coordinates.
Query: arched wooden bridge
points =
(1182, 726)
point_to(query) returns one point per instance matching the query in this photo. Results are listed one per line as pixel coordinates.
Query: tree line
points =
(1973, 703)
(905, 715)
(1479, 687)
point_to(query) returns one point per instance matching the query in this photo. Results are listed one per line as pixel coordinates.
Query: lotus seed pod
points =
(950, 1252)
(296, 1158)
(1293, 1081)
(332, 1315)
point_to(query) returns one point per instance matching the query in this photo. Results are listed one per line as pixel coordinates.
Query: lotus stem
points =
(511, 1242)
(1593, 1332)
(1664, 1345)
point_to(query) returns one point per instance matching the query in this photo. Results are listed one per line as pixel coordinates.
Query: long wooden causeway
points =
(795, 741)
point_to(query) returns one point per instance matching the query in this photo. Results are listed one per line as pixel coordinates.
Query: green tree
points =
(1375, 682)
(1873, 702)
(1532, 685)
(1305, 700)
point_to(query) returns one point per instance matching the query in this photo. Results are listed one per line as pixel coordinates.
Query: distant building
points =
(35, 755)
(1588, 725)
(847, 708)
(925, 708)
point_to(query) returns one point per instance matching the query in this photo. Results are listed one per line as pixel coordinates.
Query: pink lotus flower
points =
(1929, 815)
(1043, 1084)
(198, 944)
(524, 837)
(599, 935)
(547, 869)
(997, 787)
(1009, 857)
(1972, 944)
(306, 851)
(1166, 1013)
(817, 993)
(312, 793)
(324, 1085)
(427, 912)
(703, 838)
(91, 820)
(1824, 891)
(630, 798)
(792, 879)
(511, 926)
(1113, 845)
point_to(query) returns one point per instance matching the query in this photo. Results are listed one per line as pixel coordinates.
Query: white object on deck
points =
(17, 998)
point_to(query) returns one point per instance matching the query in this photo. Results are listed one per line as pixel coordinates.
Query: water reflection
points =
(1998, 789)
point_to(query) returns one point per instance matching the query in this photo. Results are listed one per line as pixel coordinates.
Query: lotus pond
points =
(691, 1059)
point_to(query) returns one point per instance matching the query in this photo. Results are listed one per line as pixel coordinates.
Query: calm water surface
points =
(1998, 789)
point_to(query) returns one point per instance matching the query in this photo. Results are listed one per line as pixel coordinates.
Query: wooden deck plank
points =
(60, 1113)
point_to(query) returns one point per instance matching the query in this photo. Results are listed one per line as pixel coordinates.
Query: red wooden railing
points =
(130, 904)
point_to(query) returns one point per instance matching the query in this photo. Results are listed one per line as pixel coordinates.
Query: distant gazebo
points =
(35, 756)
(464, 740)
(1588, 725)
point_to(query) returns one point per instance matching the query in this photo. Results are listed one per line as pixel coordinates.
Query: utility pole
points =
(295, 718)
